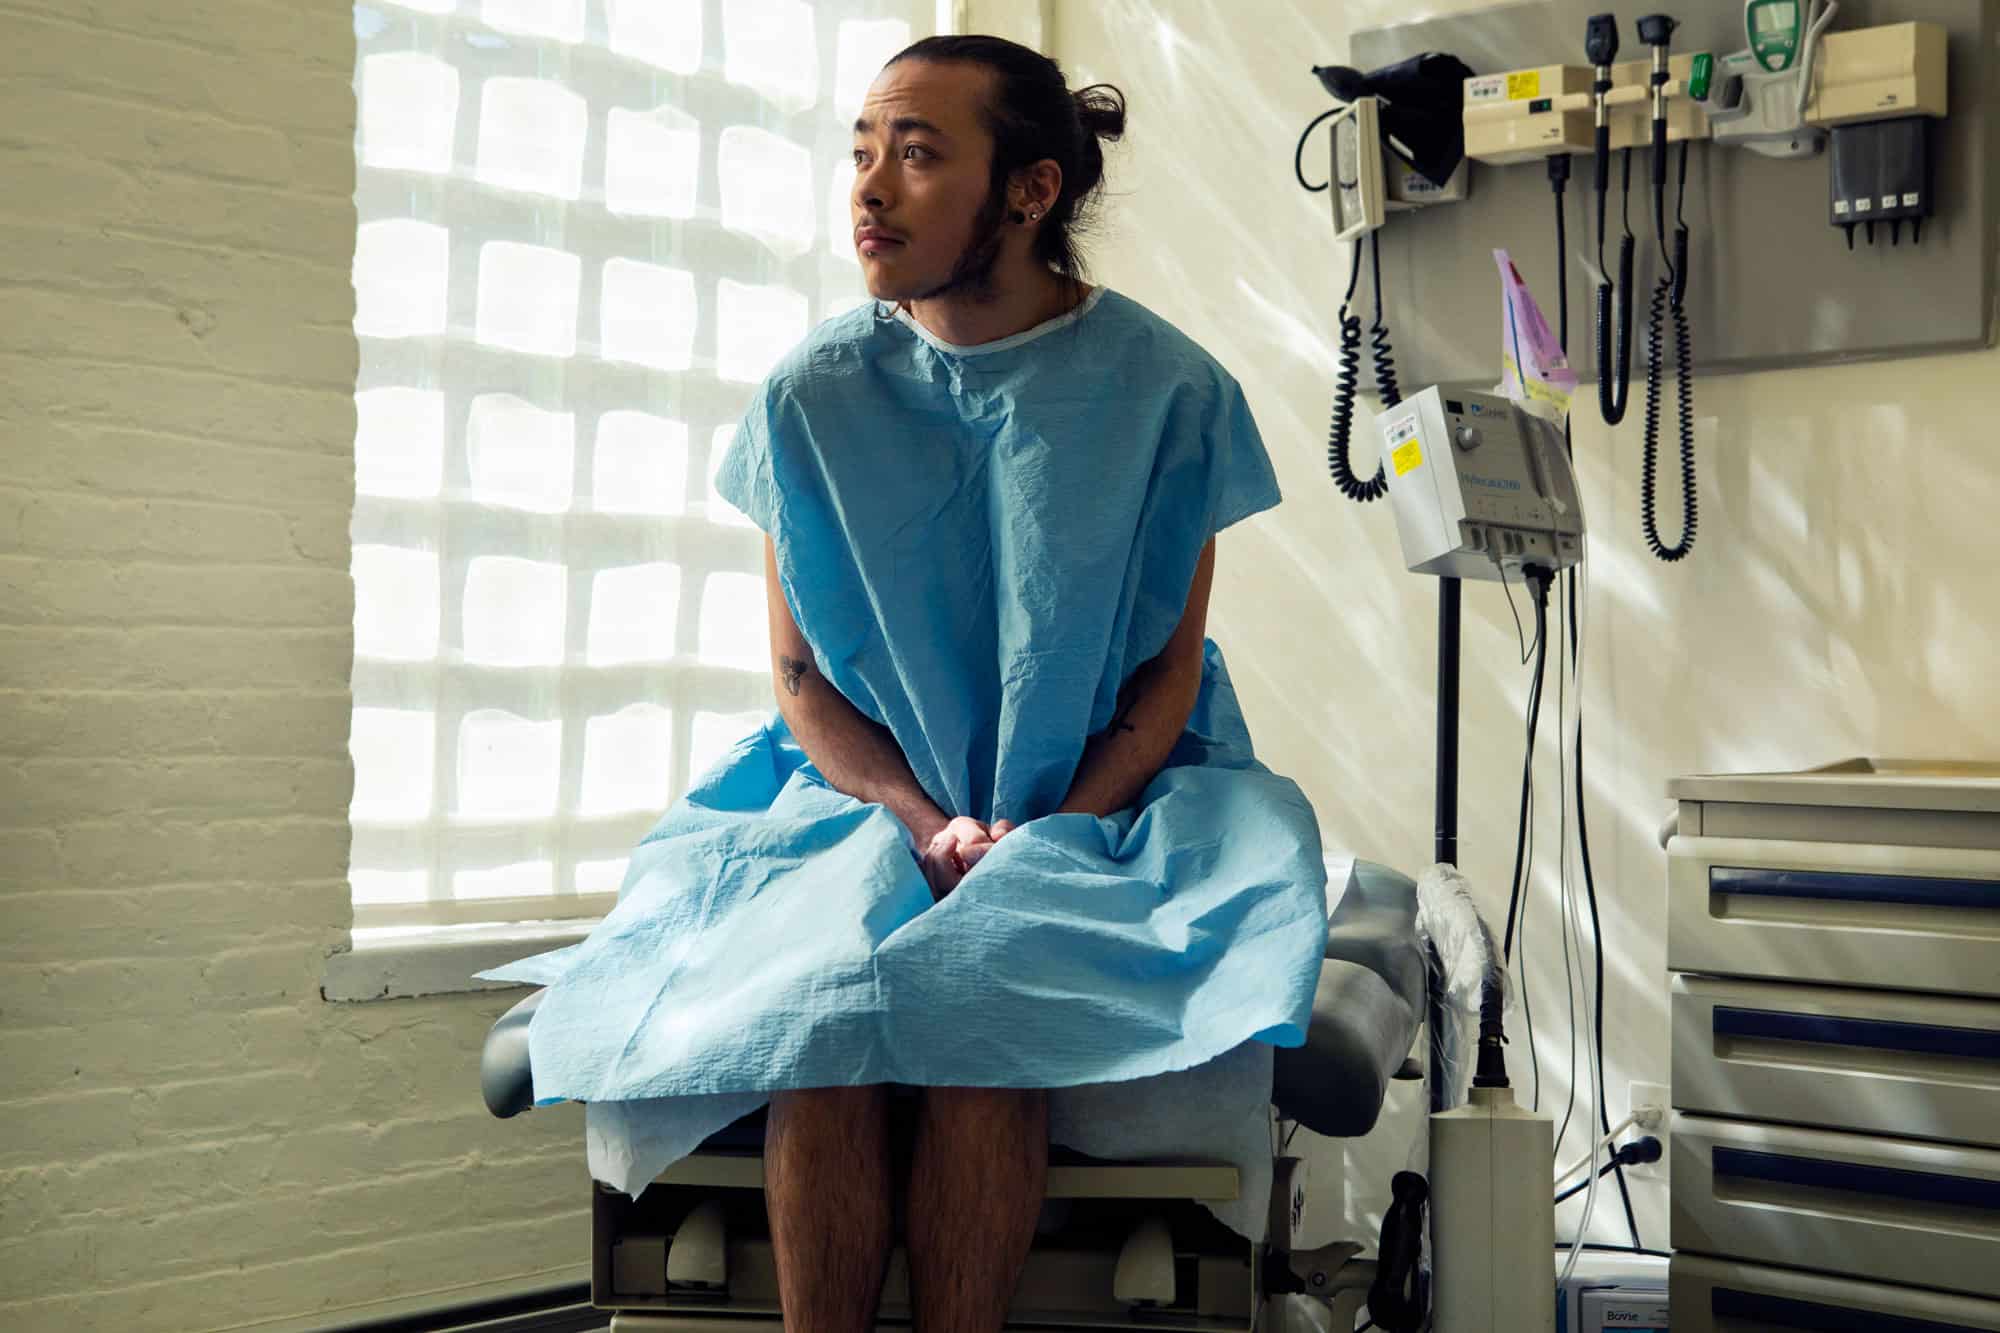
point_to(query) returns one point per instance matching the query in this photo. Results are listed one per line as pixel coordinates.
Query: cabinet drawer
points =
(1879, 1062)
(1886, 1210)
(1845, 914)
(1726, 1296)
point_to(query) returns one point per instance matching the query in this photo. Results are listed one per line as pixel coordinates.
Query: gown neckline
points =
(1064, 320)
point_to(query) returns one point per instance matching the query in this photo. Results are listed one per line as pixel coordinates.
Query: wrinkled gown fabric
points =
(979, 545)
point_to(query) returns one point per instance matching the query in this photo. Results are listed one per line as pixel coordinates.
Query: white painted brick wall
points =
(190, 1138)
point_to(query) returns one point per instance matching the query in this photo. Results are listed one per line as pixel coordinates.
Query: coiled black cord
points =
(1382, 354)
(1669, 295)
(1341, 429)
(1614, 390)
(1396, 1298)
(1346, 384)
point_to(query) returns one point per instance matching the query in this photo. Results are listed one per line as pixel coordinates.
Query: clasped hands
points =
(951, 852)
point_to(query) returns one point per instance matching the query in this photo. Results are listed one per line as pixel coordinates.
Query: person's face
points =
(923, 220)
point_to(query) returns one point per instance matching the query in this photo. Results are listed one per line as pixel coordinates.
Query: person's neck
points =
(1013, 303)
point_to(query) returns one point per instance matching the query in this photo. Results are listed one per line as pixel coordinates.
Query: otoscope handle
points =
(1656, 31)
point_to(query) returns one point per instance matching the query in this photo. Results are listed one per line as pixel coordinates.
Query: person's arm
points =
(1153, 709)
(856, 756)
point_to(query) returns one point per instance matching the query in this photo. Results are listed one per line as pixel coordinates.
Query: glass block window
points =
(587, 230)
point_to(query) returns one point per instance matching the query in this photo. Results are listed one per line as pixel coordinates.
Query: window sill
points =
(396, 963)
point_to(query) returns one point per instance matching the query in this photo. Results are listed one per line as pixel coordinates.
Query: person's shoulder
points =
(1141, 336)
(825, 357)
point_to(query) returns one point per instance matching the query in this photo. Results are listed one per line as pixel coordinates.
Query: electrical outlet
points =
(1640, 1097)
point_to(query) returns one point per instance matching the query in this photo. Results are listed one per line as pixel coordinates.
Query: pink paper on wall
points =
(1534, 371)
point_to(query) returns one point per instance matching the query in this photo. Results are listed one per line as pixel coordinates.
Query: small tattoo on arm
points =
(1119, 723)
(792, 669)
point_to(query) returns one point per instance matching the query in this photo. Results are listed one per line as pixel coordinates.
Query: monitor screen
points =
(1775, 18)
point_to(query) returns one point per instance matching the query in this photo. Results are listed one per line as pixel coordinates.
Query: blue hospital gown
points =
(980, 545)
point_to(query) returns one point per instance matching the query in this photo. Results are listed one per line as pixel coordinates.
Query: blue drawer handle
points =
(1784, 1312)
(1839, 886)
(1876, 1033)
(1886, 1182)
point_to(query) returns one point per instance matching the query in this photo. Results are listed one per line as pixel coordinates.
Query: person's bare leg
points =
(827, 1193)
(977, 1180)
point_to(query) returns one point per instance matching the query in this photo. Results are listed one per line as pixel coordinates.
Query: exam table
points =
(1120, 1244)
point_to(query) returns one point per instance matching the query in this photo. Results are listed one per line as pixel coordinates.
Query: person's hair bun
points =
(1101, 110)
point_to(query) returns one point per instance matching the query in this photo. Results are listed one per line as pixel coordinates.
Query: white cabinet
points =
(1834, 956)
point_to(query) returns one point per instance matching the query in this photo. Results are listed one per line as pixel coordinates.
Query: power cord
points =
(1538, 582)
(1595, 997)
(1646, 1149)
(1590, 897)
(1565, 898)
(1520, 635)
(1559, 179)
(1605, 1247)
(1522, 969)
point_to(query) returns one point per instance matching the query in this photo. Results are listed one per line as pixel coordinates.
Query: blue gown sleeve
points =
(745, 478)
(1241, 479)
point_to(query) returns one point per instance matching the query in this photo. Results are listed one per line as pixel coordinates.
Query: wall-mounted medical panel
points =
(1772, 280)
(1884, 1210)
(1524, 115)
(1725, 1296)
(1883, 1062)
(1842, 914)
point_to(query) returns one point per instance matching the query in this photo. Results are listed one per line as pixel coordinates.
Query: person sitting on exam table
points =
(1006, 832)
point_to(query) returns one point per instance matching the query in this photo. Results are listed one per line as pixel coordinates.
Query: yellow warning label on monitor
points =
(1524, 84)
(1408, 458)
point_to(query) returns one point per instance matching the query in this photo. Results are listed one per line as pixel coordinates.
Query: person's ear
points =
(1034, 192)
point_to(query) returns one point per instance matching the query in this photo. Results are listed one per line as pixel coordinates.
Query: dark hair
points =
(1032, 115)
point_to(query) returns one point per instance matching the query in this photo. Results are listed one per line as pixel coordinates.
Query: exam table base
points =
(1278, 1317)
(1068, 1282)
(1272, 1322)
